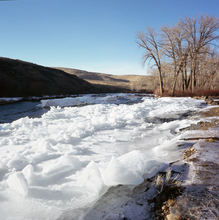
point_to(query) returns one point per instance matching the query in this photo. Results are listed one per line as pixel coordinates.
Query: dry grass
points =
(196, 206)
(169, 189)
(187, 93)
(132, 82)
(190, 151)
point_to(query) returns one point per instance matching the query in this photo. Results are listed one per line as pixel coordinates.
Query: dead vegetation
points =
(195, 206)
(169, 189)
(190, 151)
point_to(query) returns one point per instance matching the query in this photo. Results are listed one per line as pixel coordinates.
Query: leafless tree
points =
(199, 32)
(150, 42)
(175, 50)
(208, 73)
(184, 55)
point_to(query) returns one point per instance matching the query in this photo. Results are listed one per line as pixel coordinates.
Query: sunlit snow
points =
(71, 156)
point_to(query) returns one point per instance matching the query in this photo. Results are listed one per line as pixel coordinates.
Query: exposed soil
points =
(210, 113)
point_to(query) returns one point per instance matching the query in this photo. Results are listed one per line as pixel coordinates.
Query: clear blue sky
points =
(92, 35)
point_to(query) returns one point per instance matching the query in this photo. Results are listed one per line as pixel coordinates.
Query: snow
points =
(71, 156)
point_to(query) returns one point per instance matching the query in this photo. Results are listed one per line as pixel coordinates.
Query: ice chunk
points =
(116, 173)
(134, 161)
(63, 164)
(28, 173)
(92, 165)
(18, 183)
(17, 163)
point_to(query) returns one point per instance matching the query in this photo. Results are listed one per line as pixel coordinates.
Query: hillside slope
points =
(19, 78)
(128, 82)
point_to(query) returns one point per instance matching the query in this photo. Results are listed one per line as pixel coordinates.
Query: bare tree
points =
(150, 42)
(209, 71)
(186, 49)
(199, 31)
(175, 50)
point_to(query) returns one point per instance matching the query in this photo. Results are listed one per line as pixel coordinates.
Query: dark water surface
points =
(14, 111)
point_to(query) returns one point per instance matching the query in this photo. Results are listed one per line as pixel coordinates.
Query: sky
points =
(92, 35)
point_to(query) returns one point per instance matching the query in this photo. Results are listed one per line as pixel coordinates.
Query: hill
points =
(20, 78)
(101, 80)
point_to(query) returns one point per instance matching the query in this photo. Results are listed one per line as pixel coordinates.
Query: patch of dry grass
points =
(190, 151)
(168, 190)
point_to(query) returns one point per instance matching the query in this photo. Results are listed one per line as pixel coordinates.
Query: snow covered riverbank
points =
(71, 156)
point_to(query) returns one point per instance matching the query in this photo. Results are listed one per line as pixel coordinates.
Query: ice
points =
(66, 160)
(63, 164)
(87, 99)
(18, 183)
(17, 162)
(200, 134)
(134, 161)
(7, 99)
(116, 173)
(28, 173)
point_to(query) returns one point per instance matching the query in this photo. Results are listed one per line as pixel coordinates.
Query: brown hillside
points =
(128, 82)
(19, 78)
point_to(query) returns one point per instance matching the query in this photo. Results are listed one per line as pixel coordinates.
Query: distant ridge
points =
(124, 82)
(20, 78)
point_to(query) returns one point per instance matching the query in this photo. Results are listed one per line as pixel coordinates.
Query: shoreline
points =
(199, 174)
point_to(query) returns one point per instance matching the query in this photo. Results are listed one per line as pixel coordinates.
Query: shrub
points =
(187, 93)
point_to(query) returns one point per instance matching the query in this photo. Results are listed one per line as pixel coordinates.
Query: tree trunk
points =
(161, 81)
(174, 86)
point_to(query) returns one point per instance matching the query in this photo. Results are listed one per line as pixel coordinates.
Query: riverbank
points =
(198, 174)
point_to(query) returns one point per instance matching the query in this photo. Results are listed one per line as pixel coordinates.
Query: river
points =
(13, 111)
(63, 164)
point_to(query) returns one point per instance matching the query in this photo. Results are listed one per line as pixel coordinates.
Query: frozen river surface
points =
(16, 110)
(69, 157)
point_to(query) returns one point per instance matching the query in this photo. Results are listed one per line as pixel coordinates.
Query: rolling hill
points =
(20, 78)
(126, 82)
